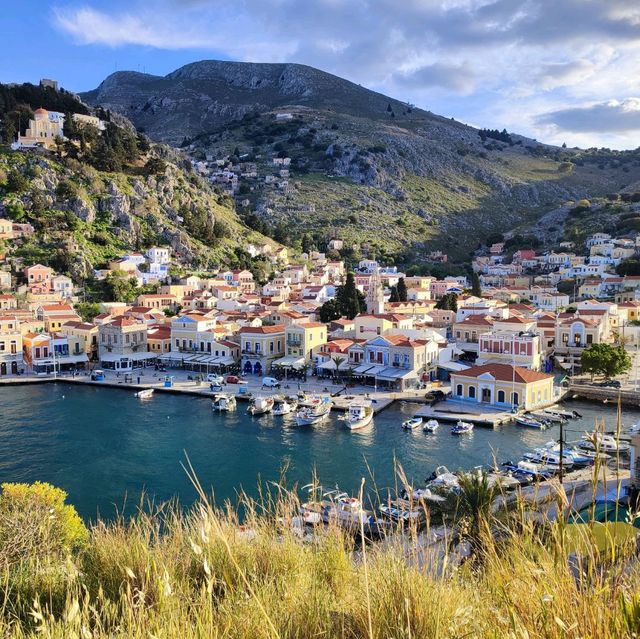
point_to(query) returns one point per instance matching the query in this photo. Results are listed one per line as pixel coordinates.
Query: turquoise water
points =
(105, 447)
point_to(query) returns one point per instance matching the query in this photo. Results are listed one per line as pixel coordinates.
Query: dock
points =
(452, 411)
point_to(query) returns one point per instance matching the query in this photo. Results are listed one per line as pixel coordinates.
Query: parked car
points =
(611, 383)
(234, 379)
(213, 378)
(270, 382)
(216, 388)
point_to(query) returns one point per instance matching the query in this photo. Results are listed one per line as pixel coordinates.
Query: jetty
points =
(452, 411)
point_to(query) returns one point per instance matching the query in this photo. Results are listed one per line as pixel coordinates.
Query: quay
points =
(452, 411)
(604, 395)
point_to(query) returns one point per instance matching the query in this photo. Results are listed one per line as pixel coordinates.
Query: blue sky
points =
(557, 70)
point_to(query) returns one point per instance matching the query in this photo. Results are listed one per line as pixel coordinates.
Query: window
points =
(501, 397)
(472, 392)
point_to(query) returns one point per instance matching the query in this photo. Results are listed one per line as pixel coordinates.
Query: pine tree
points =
(476, 289)
(348, 298)
(402, 290)
(395, 297)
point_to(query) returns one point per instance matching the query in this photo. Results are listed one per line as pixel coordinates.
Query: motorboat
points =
(601, 442)
(461, 428)
(313, 414)
(359, 415)
(223, 402)
(634, 429)
(145, 394)
(577, 457)
(443, 478)
(567, 414)
(420, 494)
(530, 470)
(400, 512)
(412, 423)
(431, 426)
(261, 406)
(544, 416)
(529, 422)
(283, 407)
(549, 458)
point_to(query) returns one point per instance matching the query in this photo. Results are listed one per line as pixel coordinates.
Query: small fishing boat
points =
(431, 426)
(261, 406)
(145, 394)
(461, 428)
(283, 406)
(529, 422)
(412, 423)
(313, 414)
(543, 416)
(359, 415)
(601, 442)
(223, 402)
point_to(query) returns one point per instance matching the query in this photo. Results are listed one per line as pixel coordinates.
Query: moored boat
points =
(261, 405)
(359, 415)
(431, 426)
(559, 412)
(283, 406)
(223, 402)
(313, 414)
(145, 394)
(461, 428)
(412, 423)
(529, 422)
(601, 442)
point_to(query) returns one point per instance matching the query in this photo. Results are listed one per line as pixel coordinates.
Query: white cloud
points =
(523, 59)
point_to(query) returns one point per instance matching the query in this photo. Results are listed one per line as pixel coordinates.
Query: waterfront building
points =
(302, 338)
(260, 347)
(84, 337)
(503, 386)
(506, 347)
(122, 344)
(11, 360)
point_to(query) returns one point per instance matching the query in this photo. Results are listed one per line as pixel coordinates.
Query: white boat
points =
(359, 415)
(313, 414)
(529, 422)
(411, 424)
(282, 407)
(461, 428)
(634, 429)
(549, 458)
(399, 512)
(261, 405)
(537, 470)
(145, 394)
(544, 416)
(443, 478)
(223, 402)
(431, 426)
(601, 442)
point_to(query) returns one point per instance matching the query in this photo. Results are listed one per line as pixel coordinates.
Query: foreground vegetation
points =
(202, 574)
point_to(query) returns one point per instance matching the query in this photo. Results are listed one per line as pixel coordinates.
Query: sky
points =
(555, 70)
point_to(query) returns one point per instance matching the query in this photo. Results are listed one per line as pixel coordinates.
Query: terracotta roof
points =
(505, 373)
(262, 330)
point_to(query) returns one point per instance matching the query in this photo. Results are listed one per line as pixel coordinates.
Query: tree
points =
(475, 503)
(628, 267)
(394, 297)
(87, 310)
(349, 298)
(605, 359)
(448, 302)
(329, 311)
(476, 288)
(120, 288)
(402, 290)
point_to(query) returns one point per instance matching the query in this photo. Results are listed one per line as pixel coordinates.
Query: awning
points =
(392, 373)
(289, 361)
(362, 369)
(368, 370)
(134, 357)
(454, 367)
(330, 365)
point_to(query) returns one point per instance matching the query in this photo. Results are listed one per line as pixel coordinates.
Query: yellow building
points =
(43, 129)
(10, 345)
(302, 338)
(503, 386)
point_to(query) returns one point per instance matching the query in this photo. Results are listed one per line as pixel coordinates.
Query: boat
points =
(399, 512)
(601, 442)
(313, 414)
(543, 416)
(145, 394)
(442, 478)
(530, 470)
(283, 407)
(413, 495)
(634, 429)
(431, 426)
(577, 457)
(261, 405)
(461, 428)
(412, 424)
(549, 458)
(529, 422)
(359, 415)
(223, 402)
(567, 414)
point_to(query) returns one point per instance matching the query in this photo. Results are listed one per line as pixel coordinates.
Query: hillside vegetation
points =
(393, 179)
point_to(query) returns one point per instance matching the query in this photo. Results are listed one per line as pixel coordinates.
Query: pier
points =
(452, 411)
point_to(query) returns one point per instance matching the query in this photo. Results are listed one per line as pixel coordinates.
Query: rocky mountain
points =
(379, 173)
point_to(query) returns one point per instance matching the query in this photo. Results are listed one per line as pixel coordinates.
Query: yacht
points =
(223, 402)
(359, 415)
(601, 442)
(261, 405)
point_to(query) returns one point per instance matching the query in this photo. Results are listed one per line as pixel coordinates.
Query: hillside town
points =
(408, 332)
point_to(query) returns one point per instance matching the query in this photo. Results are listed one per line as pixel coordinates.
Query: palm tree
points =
(475, 504)
(337, 360)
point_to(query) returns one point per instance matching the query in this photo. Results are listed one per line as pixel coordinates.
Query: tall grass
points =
(170, 573)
